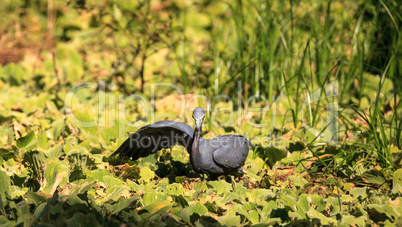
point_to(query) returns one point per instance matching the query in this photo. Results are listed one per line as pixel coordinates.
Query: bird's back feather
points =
(151, 138)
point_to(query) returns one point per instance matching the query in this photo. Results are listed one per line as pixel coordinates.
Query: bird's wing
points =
(233, 151)
(151, 138)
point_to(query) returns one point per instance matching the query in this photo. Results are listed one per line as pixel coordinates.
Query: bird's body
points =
(218, 156)
(221, 155)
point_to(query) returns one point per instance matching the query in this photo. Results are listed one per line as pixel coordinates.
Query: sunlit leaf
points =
(230, 220)
(146, 174)
(4, 183)
(56, 175)
(397, 182)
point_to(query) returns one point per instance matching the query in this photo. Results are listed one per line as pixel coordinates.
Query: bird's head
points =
(198, 115)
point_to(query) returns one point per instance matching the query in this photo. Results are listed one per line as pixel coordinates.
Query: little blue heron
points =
(215, 157)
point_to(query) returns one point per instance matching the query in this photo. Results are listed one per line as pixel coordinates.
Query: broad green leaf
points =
(182, 201)
(174, 189)
(304, 203)
(146, 174)
(388, 209)
(80, 219)
(156, 206)
(124, 203)
(24, 141)
(83, 186)
(296, 146)
(74, 200)
(115, 192)
(350, 220)
(98, 174)
(212, 207)
(228, 197)
(184, 215)
(318, 201)
(110, 181)
(267, 208)
(42, 141)
(293, 205)
(4, 222)
(34, 198)
(312, 213)
(41, 209)
(118, 16)
(197, 208)
(56, 174)
(57, 127)
(13, 73)
(24, 213)
(359, 193)
(55, 151)
(229, 220)
(153, 197)
(396, 156)
(397, 182)
(220, 186)
(249, 206)
(298, 181)
(254, 216)
(272, 154)
(4, 183)
(16, 191)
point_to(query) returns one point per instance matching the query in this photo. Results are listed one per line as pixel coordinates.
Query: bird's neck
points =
(195, 151)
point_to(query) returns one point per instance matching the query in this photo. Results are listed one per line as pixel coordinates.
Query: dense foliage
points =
(314, 85)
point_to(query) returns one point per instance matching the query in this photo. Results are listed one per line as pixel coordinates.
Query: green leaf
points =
(124, 203)
(156, 206)
(198, 208)
(4, 183)
(296, 207)
(35, 198)
(13, 73)
(272, 154)
(303, 203)
(296, 146)
(55, 174)
(181, 200)
(115, 192)
(4, 222)
(40, 210)
(212, 207)
(254, 216)
(153, 197)
(55, 151)
(397, 182)
(388, 209)
(80, 219)
(349, 220)
(230, 220)
(359, 192)
(312, 213)
(174, 189)
(83, 186)
(146, 174)
(220, 186)
(118, 16)
(228, 197)
(24, 141)
(42, 140)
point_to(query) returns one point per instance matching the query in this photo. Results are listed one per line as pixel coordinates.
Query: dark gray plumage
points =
(218, 156)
